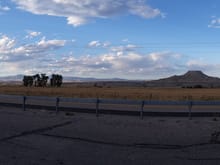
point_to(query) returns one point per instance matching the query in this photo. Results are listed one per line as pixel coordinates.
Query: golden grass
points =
(116, 92)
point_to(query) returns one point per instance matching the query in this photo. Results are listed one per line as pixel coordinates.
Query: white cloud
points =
(9, 68)
(76, 21)
(198, 64)
(6, 43)
(106, 44)
(120, 50)
(215, 22)
(143, 10)
(32, 34)
(128, 47)
(201, 64)
(39, 57)
(130, 65)
(10, 52)
(125, 40)
(96, 43)
(50, 44)
(160, 57)
(4, 8)
(80, 12)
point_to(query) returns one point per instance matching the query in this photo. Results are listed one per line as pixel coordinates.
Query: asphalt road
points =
(43, 137)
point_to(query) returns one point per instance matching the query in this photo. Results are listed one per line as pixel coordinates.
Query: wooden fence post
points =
(97, 107)
(142, 110)
(57, 104)
(190, 103)
(24, 103)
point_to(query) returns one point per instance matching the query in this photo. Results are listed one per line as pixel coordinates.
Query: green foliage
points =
(38, 80)
(56, 80)
(28, 80)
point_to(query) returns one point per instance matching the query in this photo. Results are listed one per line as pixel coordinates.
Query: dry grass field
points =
(115, 92)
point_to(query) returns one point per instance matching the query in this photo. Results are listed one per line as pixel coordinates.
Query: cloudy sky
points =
(133, 39)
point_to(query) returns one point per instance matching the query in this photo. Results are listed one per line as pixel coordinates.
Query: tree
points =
(28, 80)
(36, 78)
(42, 80)
(56, 80)
(39, 80)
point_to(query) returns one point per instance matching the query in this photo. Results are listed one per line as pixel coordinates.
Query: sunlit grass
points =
(140, 93)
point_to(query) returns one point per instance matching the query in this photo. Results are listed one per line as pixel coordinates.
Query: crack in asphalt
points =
(35, 131)
(133, 145)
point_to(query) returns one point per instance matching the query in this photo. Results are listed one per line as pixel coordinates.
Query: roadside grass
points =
(140, 93)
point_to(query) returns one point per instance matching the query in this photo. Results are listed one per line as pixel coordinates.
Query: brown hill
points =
(189, 79)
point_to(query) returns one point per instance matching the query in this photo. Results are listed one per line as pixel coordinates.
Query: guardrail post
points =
(24, 103)
(97, 107)
(142, 110)
(190, 109)
(57, 104)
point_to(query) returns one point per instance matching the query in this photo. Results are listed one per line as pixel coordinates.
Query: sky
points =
(130, 39)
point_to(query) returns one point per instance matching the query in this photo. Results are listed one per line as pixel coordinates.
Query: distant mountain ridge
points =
(18, 77)
(89, 79)
(188, 80)
(65, 79)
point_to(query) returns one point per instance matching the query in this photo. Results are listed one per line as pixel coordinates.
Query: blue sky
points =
(133, 39)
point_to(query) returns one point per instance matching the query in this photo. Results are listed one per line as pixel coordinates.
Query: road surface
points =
(43, 137)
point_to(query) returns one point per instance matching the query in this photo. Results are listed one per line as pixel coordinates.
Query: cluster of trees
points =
(40, 80)
(194, 86)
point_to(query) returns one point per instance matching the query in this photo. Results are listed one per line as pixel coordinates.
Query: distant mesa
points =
(191, 76)
(191, 79)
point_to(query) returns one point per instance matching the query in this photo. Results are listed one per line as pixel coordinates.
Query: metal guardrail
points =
(97, 101)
